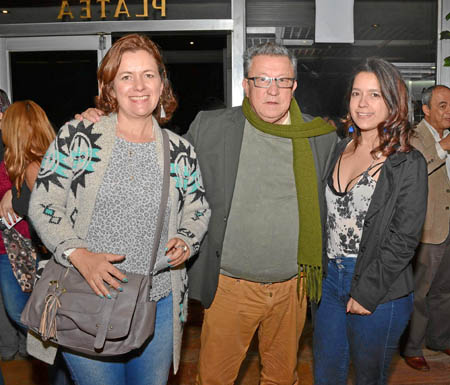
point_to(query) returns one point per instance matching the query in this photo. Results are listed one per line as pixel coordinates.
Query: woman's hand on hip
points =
(177, 252)
(355, 308)
(97, 268)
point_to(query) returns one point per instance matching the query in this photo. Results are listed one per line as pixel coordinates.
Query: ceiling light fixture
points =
(191, 43)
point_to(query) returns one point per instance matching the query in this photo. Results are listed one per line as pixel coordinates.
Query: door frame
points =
(100, 43)
(236, 26)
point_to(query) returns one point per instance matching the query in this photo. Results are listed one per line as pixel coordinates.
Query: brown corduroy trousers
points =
(240, 308)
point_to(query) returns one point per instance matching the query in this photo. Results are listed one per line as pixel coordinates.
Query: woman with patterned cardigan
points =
(95, 205)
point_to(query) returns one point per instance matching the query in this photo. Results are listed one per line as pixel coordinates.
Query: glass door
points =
(57, 72)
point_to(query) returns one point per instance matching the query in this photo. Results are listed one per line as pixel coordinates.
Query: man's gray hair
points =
(428, 92)
(269, 49)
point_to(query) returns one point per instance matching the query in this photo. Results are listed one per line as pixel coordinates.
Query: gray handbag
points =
(64, 309)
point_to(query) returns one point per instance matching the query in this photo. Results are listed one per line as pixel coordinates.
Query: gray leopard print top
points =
(345, 217)
(132, 186)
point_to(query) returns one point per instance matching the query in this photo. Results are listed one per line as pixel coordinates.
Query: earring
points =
(162, 113)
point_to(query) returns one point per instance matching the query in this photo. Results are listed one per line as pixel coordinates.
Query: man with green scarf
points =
(262, 166)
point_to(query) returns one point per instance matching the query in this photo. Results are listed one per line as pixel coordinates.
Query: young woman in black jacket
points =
(376, 202)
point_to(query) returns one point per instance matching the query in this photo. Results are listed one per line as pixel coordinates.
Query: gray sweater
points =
(71, 173)
(260, 242)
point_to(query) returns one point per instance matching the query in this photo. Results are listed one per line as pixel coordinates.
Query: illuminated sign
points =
(120, 9)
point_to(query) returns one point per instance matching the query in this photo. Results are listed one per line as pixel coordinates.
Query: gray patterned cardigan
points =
(71, 173)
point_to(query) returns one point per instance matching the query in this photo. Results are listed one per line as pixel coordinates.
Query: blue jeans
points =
(369, 341)
(13, 296)
(148, 365)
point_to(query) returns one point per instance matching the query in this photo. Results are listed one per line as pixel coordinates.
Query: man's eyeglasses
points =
(265, 82)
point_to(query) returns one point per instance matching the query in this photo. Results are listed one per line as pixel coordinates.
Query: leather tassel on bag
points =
(47, 327)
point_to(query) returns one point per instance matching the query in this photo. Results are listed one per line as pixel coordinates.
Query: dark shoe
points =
(446, 351)
(23, 355)
(418, 363)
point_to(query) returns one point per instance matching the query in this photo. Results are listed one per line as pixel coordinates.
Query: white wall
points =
(3, 66)
(443, 48)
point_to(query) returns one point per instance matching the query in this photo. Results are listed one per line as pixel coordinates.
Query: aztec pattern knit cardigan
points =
(71, 173)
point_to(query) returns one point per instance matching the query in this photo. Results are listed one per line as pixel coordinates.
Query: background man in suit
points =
(430, 321)
(262, 165)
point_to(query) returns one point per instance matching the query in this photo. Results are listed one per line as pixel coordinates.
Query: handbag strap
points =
(163, 204)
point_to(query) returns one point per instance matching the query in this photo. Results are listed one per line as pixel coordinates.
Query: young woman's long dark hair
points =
(395, 131)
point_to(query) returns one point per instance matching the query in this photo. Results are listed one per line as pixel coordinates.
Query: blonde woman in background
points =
(26, 133)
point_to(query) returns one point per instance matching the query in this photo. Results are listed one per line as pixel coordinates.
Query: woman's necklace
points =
(131, 144)
(131, 163)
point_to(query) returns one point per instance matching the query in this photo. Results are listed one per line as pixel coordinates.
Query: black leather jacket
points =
(392, 229)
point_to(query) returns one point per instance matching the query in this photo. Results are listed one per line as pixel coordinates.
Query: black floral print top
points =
(346, 213)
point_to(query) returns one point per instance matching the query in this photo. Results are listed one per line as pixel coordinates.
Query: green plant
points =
(445, 35)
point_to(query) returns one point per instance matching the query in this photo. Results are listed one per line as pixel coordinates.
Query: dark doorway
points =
(61, 82)
(64, 83)
(197, 87)
(195, 65)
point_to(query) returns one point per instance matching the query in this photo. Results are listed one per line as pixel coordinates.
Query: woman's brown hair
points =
(106, 102)
(27, 134)
(395, 131)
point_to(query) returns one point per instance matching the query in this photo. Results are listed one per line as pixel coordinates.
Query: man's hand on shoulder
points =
(91, 114)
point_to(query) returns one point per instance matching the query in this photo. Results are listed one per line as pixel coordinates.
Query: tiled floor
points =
(32, 372)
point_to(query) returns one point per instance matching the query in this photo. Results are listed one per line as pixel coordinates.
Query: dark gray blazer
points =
(217, 138)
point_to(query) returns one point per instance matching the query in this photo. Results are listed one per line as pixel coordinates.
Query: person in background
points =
(12, 202)
(4, 103)
(376, 196)
(107, 204)
(11, 340)
(26, 134)
(431, 315)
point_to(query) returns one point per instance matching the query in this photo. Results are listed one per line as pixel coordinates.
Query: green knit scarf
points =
(309, 249)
